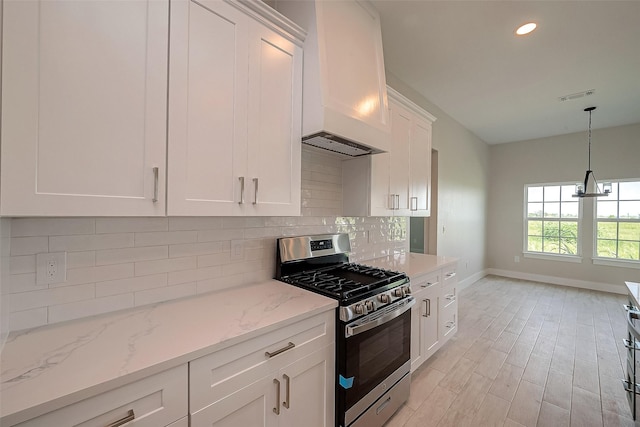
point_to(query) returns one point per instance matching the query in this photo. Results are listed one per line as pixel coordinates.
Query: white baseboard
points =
(584, 284)
(465, 283)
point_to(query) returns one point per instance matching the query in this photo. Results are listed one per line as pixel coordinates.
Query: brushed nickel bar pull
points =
(155, 185)
(426, 285)
(416, 204)
(277, 407)
(255, 195)
(450, 275)
(392, 202)
(427, 311)
(397, 202)
(129, 417)
(282, 350)
(287, 396)
(241, 178)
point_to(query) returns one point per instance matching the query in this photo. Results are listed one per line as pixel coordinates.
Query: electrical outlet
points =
(237, 250)
(516, 258)
(51, 268)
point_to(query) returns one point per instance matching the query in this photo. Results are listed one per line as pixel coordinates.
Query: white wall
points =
(463, 186)
(118, 263)
(615, 154)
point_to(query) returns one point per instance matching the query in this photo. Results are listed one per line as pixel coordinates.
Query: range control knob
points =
(407, 290)
(369, 305)
(384, 298)
(398, 292)
(358, 309)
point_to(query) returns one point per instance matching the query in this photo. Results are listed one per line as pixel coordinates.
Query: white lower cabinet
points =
(158, 400)
(283, 378)
(434, 317)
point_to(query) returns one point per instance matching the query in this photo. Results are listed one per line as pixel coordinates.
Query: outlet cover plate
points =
(51, 268)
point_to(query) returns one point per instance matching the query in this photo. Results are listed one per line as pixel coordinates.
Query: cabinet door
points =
(252, 405)
(307, 392)
(420, 200)
(429, 321)
(208, 109)
(274, 126)
(84, 89)
(400, 158)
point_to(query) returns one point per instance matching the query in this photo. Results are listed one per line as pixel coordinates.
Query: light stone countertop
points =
(52, 366)
(412, 264)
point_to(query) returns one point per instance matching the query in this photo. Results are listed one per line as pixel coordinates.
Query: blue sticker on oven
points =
(346, 383)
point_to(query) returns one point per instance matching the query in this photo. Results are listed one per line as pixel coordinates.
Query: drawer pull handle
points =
(129, 417)
(282, 350)
(426, 285)
(450, 297)
(450, 325)
(414, 206)
(450, 275)
(628, 388)
(155, 185)
(276, 409)
(287, 395)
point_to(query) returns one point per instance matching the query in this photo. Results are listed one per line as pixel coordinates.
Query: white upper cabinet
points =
(84, 89)
(235, 95)
(396, 183)
(344, 79)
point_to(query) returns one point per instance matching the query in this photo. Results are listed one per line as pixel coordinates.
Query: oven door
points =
(370, 350)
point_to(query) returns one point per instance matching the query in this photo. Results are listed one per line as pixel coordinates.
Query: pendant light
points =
(582, 188)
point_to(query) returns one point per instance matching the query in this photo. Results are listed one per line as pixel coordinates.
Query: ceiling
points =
(463, 56)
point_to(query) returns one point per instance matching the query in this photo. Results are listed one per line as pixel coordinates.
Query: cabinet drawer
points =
(423, 282)
(448, 318)
(155, 401)
(214, 376)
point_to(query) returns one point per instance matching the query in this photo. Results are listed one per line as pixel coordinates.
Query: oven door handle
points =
(355, 330)
(631, 315)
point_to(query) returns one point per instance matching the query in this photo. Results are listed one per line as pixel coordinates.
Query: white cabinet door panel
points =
(208, 108)
(400, 158)
(420, 202)
(84, 107)
(274, 123)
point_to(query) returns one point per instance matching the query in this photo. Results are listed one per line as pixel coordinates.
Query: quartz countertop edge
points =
(634, 292)
(89, 356)
(412, 264)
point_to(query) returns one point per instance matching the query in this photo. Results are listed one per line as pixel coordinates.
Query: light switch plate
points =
(51, 268)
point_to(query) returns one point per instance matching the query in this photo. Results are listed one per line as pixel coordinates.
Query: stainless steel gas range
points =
(373, 324)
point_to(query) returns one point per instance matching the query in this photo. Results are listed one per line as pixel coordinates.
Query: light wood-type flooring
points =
(525, 354)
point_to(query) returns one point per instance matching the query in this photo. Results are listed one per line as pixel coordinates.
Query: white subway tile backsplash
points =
(90, 242)
(131, 284)
(76, 310)
(22, 264)
(189, 249)
(165, 238)
(144, 268)
(82, 275)
(116, 263)
(28, 319)
(81, 259)
(47, 297)
(119, 256)
(22, 227)
(29, 245)
(164, 294)
(127, 225)
(194, 223)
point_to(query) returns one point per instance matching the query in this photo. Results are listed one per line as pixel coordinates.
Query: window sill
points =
(616, 262)
(553, 257)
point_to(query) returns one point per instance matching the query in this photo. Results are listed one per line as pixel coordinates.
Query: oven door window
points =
(373, 355)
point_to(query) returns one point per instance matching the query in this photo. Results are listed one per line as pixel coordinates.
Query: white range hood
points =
(344, 97)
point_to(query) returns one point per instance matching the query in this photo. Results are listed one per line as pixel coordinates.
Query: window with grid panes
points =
(618, 222)
(552, 218)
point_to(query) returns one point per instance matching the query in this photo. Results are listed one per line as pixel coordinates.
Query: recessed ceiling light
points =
(526, 28)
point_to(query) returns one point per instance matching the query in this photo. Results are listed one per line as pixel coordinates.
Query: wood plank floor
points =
(526, 354)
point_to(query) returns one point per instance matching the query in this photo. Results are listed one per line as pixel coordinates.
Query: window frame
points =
(615, 262)
(575, 258)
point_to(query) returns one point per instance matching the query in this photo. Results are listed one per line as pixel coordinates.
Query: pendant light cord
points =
(590, 111)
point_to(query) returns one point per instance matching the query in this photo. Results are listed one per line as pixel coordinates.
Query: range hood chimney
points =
(344, 107)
